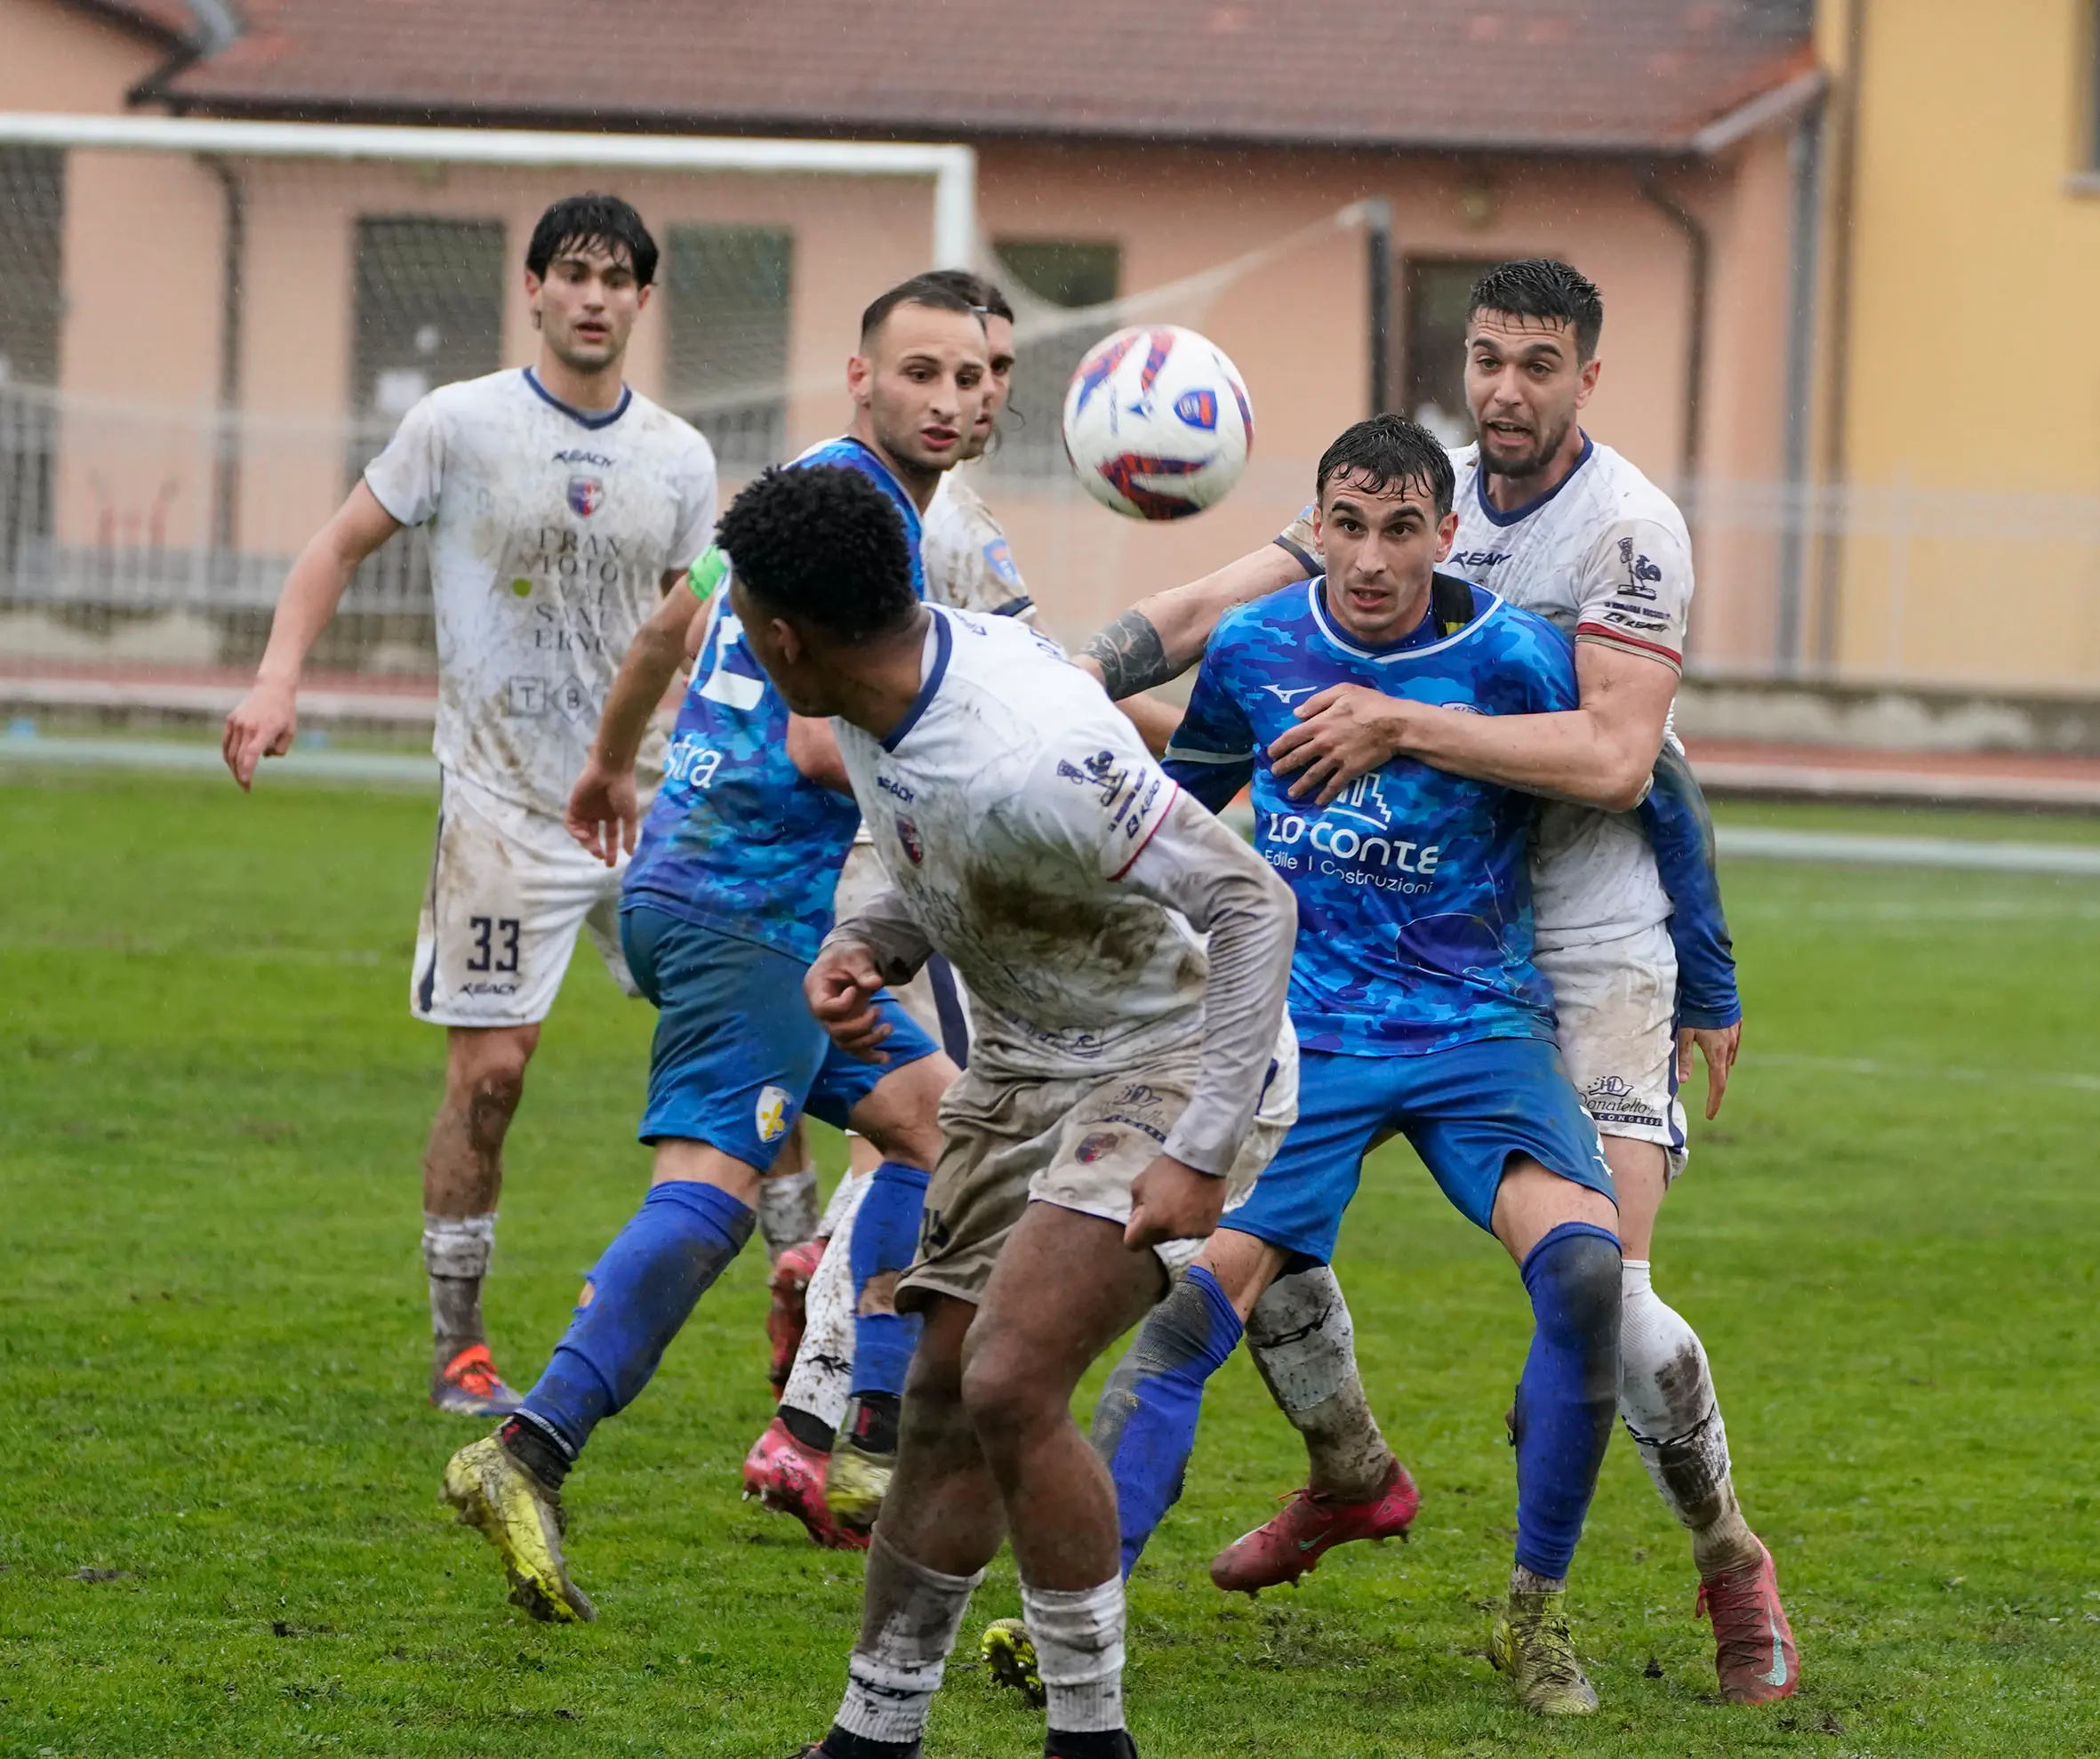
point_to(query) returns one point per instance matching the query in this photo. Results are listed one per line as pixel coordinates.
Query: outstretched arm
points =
(1600, 754)
(1159, 637)
(266, 719)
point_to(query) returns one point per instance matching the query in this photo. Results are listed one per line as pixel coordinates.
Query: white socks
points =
(456, 1253)
(1666, 1402)
(787, 1210)
(914, 1614)
(1303, 1343)
(1078, 1639)
(824, 1372)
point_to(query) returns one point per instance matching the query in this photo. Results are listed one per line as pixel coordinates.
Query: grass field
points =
(219, 1530)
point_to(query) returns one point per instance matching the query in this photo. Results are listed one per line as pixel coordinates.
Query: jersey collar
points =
(1408, 647)
(603, 418)
(1494, 515)
(943, 645)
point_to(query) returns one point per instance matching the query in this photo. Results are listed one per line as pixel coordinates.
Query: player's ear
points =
(642, 294)
(860, 378)
(1586, 380)
(1446, 534)
(532, 284)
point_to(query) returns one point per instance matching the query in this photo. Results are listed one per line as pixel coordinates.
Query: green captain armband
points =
(708, 573)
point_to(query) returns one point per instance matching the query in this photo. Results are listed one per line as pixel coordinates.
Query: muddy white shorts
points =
(1615, 1001)
(1077, 1144)
(509, 890)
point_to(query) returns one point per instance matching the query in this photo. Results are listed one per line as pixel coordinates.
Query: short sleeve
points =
(1637, 591)
(408, 476)
(1095, 797)
(1212, 753)
(697, 505)
(969, 563)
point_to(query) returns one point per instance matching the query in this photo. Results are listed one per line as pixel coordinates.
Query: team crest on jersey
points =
(999, 556)
(587, 495)
(1093, 1147)
(771, 1115)
(915, 851)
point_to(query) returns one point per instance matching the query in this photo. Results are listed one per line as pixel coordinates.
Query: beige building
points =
(214, 342)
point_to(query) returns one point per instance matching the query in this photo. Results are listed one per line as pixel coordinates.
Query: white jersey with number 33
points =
(551, 529)
(1605, 558)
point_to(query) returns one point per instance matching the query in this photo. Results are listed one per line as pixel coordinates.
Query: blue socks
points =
(1145, 1424)
(1563, 1416)
(886, 1240)
(638, 1296)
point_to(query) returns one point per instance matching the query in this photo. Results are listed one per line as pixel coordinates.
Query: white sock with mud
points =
(1078, 1639)
(456, 1252)
(1666, 1402)
(787, 1210)
(823, 1377)
(1303, 1343)
(908, 1621)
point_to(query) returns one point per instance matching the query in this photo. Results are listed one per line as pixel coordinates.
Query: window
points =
(1069, 275)
(429, 310)
(727, 370)
(1433, 369)
(33, 203)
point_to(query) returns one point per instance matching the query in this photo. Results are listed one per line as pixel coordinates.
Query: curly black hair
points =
(1388, 449)
(1543, 287)
(821, 544)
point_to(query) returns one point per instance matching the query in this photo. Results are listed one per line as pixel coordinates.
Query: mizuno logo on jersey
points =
(1287, 697)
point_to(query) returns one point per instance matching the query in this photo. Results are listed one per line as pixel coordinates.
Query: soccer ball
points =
(1156, 422)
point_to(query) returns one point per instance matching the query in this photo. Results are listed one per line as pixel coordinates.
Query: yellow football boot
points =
(1531, 1644)
(1011, 1656)
(522, 1519)
(857, 1483)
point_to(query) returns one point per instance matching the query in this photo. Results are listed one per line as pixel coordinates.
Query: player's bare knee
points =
(899, 1117)
(1008, 1400)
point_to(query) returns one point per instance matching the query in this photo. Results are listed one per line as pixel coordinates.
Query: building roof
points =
(169, 21)
(1582, 76)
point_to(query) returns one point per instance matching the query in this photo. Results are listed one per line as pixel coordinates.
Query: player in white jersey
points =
(1574, 531)
(1118, 1066)
(561, 505)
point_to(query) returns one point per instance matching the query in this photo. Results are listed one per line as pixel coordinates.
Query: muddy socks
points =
(1666, 1402)
(1563, 1414)
(1304, 1344)
(1078, 1639)
(787, 1210)
(639, 1295)
(1145, 1424)
(909, 1619)
(456, 1252)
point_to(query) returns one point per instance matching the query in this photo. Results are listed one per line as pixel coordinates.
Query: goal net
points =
(207, 328)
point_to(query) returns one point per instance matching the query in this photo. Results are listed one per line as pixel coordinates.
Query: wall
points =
(1973, 401)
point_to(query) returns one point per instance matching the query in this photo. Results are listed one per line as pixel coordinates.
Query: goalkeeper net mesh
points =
(199, 352)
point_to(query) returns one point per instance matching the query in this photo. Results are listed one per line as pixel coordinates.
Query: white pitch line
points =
(1768, 843)
(1919, 1072)
(392, 768)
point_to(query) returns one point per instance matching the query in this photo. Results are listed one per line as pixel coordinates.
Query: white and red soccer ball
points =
(1156, 422)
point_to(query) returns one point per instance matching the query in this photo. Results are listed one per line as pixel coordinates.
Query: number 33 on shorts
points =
(509, 893)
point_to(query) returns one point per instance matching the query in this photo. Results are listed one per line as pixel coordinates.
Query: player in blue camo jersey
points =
(1417, 1008)
(726, 902)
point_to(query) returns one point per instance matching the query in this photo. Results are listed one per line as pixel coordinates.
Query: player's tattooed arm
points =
(1158, 638)
(1129, 656)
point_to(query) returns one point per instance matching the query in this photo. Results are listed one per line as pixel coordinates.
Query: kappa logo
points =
(770, 1114)
(587, 495)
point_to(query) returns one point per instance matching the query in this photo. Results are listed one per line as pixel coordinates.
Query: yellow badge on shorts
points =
(771, 1113)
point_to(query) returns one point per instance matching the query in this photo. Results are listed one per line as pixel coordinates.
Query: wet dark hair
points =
(985, 296)
(1388, 449)
(919, 290)
(1546, 288)
(821, 544)
(592, 219)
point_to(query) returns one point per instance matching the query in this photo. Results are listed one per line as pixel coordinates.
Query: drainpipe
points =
(226, 468)
(1805, 163)
(1831, 549)
(1378, 249)
(1698, 251)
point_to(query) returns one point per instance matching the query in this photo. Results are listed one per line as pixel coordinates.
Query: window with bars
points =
(429, 309)
(726, 369)
(1066, 273)
(32, 302)
(1433, 370)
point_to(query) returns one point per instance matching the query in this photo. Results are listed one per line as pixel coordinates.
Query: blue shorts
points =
(737, 1056)
(1466, 1110)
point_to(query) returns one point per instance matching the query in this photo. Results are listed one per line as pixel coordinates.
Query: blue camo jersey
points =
(738, 841)
(1413, 887)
